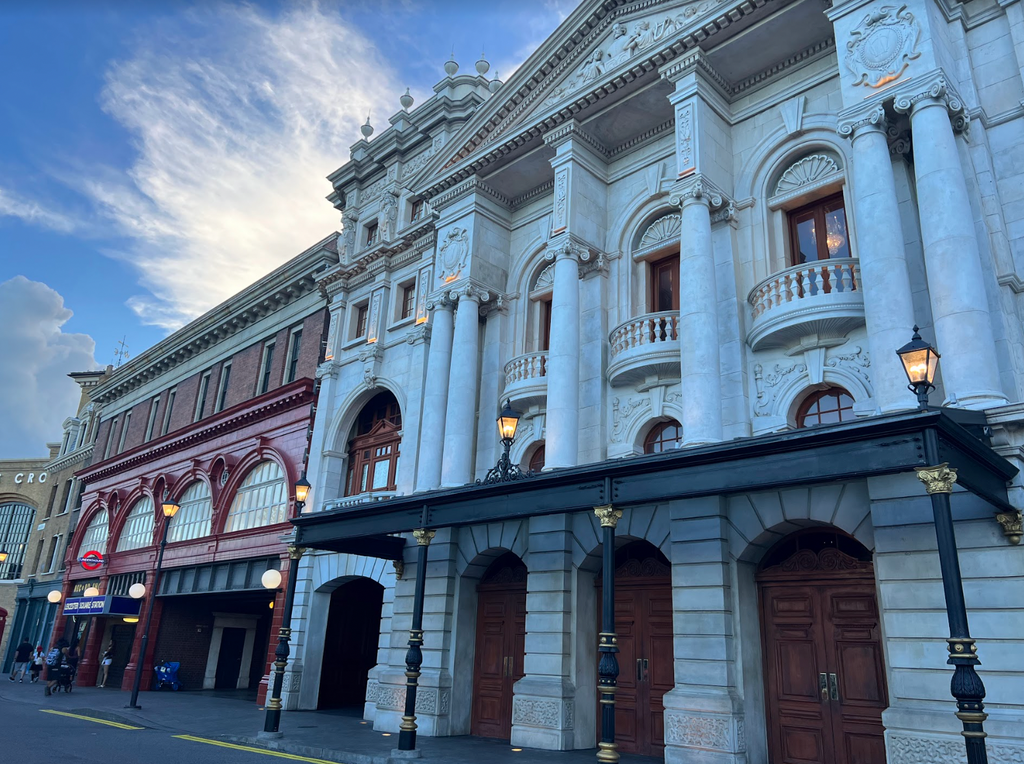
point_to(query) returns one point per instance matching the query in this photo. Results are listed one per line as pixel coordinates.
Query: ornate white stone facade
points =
(560, 188)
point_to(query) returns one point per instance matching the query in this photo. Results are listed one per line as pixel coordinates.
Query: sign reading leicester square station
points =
(101, 605)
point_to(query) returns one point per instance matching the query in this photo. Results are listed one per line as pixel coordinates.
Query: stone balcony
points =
(822, 298)
(643, 347)
(526, 381)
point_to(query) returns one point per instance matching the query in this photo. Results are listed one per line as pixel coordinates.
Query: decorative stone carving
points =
(446, 702)
(620, 415)
(546, 279)
(926, 750)
(853, 120)
(388, 215)
(418, 334)
(349, 221)
(696, 188)
(883, 45)
(561, 200)
(808, 171)
(697, 731)
(537, 713)
(684, 138)
(665, 228)
(766, 384)
(453, 253)
(934, 87)
(391, 698)
(856, 361)
(809, 561)
(426, 701)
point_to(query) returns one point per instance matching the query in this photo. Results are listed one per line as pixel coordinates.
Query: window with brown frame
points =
(408, 300)
(818, 231)
(825, 407)
(361, 313)
(664, 436)
(537, 460)
(544, 335)
(375, 449)
(665, 284)
(417, 210)
(372, 234)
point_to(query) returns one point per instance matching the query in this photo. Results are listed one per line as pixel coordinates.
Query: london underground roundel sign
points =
(91, 560)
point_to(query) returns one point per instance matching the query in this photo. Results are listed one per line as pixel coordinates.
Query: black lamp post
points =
(920, 361)
(170, 508)
(272, 724)
(505, 471)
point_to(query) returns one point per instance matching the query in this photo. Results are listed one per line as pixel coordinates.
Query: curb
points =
(312, 751)
(109, 716)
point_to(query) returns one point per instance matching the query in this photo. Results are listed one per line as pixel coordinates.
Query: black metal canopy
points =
(881, 445)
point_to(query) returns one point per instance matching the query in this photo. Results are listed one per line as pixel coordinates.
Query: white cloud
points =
(36, 395)
(33, 212)
(237, 117)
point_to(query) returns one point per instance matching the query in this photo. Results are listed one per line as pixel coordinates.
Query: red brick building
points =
(216, 418)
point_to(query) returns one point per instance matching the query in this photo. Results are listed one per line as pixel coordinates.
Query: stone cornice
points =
(573, 130)
(933, 87)
(70, 459)
(383, 258)
(217, 426)
(691, 62)
(544, 188)
(472, 185)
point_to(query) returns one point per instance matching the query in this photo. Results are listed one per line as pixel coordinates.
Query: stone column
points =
(956, 287)
(563, 370)
(698, 314)
(888, 300)
(464, 379)
(435, 397)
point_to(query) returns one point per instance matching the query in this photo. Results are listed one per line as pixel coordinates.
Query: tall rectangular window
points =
(417, 210)
(268, 361)
(361, 314)
(545, 324)
(818, 231)
(204, 388)
(65, 497)
(40, 559)
(222, 387)
(124, 432)
(294, 348)
(111, 435)
(154, 405)
(54, 553)
(53, 498)
(372, 234)
(665, 284)
(166, 426)
(408, 300)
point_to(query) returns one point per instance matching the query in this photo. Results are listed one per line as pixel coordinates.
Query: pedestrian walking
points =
(38, 661)
(54, 659)
(108, 658)
(22, 659)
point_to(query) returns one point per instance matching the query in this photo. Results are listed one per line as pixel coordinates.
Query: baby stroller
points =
(65, 678)
(167, 675)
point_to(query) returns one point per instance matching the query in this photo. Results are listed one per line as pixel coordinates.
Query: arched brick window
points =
(664, 436)
(825, 407)
(261, 500)
(95, 537)
(138, 527)
(193, 519)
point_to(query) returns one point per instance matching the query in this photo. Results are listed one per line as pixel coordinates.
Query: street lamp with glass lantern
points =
(170, 508)
(271, 579)
(920, 362)
(505, 471)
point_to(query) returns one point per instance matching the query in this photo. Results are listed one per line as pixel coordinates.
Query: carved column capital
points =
(1013, 525)
(440, 301)
(296, 552)
(696, 189)
(933, 89)
(423, 536)
(608, 515)
(938, 479)
(860, 120)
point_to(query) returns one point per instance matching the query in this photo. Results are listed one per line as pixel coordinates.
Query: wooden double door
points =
(500, 647)
(824, 670)
(643, 624)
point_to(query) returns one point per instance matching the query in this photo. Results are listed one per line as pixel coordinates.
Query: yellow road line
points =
(91, 719)
(250, 749)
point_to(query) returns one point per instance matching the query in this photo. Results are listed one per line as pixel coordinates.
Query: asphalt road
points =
(31, 734)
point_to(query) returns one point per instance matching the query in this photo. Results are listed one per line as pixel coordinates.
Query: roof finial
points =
(406, 100)
(451, 66)
(494, 84)
(367, 129)
(482, 66)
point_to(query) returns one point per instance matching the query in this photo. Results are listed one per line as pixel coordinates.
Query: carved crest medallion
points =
(883, 45)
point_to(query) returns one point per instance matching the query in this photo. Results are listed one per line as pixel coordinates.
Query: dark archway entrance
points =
(824, 670)
(500, 645)
(643, 623)
(350, 644)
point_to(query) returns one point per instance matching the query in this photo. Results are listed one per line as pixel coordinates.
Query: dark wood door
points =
(500, 648)
(350, 643)
(824, 672)
(643, 625)
(229, 661)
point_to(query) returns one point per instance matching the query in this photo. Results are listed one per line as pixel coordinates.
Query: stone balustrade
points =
(526, 379)
(369, 497)
(822, 297)
(644, 346)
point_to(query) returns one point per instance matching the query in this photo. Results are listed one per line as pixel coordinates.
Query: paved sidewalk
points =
(316, 734)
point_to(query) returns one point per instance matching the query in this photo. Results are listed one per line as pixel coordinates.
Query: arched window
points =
(664, 436)
(138, 527)
(825, 407)
(192, 520)
(95, 537)
(15, 527)
(374, 448)
(261, 500)
(537, 459)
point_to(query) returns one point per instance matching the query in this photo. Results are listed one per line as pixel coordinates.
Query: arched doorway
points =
(374, 446)
(643, 625)
(824, 671)
(500, 645)
(350, 643)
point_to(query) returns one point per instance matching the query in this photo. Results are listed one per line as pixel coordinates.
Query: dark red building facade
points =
(216, 418)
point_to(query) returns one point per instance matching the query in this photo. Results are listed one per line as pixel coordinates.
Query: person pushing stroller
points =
(56, 659)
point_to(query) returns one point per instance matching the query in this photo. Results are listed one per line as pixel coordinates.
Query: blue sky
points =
(157, 157)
